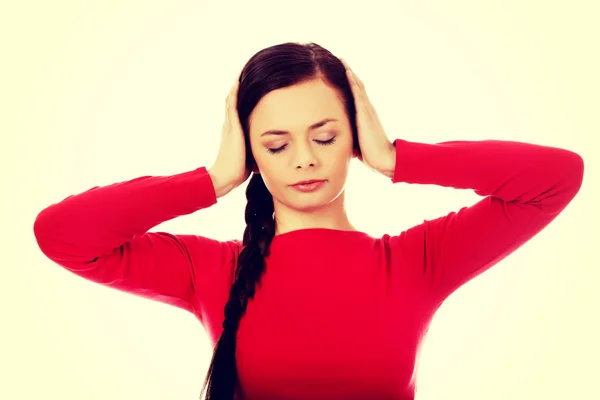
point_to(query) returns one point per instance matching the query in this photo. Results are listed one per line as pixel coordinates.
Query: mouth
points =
(308, 182)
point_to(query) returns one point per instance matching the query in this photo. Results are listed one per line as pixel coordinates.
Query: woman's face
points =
(298, 151)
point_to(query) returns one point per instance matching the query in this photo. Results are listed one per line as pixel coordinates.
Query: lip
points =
(309, 187)
(308, 182)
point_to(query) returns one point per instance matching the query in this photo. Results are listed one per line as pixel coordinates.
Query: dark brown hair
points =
(272, 68)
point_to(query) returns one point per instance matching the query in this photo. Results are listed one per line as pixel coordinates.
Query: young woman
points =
(306, 306)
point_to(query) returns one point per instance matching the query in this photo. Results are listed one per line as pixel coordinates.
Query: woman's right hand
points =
(229, 170)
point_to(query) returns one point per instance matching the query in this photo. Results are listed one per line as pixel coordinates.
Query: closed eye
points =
(321, 142)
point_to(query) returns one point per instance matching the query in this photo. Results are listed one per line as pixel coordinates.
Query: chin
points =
(312, 201)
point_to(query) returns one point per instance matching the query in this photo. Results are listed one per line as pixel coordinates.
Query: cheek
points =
(340, 170)
(271, 175)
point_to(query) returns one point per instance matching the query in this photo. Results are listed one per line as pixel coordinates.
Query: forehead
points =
(296, 107)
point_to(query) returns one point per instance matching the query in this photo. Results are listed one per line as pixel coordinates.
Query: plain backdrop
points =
(94, 93)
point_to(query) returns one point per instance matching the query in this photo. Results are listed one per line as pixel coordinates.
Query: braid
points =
(259, 232)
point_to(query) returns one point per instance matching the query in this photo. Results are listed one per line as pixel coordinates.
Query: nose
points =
(304, 156)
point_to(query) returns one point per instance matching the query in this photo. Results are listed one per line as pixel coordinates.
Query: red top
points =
(345, 319)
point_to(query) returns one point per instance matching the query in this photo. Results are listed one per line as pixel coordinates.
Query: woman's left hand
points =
(378, 152)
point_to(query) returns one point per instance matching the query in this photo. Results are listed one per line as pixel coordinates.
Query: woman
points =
(306, 306)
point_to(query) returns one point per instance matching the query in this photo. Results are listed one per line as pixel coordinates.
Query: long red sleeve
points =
(101, 235)
(526, 186)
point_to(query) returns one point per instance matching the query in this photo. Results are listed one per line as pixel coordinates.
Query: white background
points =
(100, 92)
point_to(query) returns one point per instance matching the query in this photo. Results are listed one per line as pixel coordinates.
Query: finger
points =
(359, 82)
(352, 80)
(349, 73)
(344, 63)
(231, 99)
(232, 113)
(358, 88)
(359, 94)
(234, 88)
(348, 69)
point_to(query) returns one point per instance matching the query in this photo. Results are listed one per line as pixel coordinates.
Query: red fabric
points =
(338, 314)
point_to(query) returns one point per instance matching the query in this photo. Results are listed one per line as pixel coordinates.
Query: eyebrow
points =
(310, 128)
